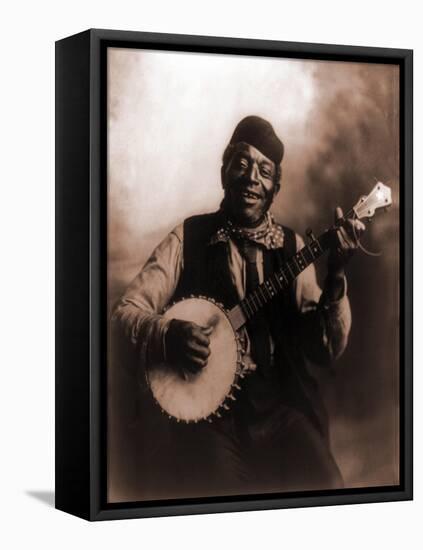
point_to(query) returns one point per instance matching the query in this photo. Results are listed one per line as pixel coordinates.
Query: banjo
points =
(206, 394)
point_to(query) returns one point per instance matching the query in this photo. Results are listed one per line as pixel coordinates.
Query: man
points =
(275, 437)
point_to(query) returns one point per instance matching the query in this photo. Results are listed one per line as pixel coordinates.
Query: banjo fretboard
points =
(283, 277)
(279, 281)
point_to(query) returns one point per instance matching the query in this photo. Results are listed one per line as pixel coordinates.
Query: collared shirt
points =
(139, 311)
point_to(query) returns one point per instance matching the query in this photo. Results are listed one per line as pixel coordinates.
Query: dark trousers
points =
(260, 445)
(276, 451)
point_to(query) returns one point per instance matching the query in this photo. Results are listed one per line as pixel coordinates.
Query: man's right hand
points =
(187, 346)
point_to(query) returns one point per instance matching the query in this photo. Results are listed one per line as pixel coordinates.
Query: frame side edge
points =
(72, 262)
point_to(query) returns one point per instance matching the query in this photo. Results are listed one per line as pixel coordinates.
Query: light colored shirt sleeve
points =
(324, 325)
(139, 311)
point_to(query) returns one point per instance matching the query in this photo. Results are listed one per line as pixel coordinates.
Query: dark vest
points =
(206, 272)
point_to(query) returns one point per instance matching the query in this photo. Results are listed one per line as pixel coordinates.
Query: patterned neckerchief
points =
(268, 234)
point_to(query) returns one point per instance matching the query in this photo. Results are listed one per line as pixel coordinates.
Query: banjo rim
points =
(223, 405)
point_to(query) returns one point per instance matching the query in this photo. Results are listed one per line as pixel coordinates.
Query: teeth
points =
(249, 195)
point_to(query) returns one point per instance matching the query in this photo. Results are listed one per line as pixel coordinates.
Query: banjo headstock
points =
(379, 197)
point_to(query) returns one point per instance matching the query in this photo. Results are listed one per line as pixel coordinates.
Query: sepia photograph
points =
(253, 275)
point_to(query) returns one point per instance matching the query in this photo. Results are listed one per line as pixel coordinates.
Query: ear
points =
(278, 182)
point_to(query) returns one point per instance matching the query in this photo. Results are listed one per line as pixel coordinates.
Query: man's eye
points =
(266, 173)
(243, 163)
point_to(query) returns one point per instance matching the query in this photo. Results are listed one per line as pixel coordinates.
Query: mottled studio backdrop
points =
(170, 116)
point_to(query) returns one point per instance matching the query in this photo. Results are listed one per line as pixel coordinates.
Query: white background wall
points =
(28, 32)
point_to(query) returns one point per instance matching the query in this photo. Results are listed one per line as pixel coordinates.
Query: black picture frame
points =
(81, 319)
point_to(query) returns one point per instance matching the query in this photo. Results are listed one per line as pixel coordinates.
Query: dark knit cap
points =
(260, 134)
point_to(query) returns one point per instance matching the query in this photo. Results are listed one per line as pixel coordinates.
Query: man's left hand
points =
(345, 244)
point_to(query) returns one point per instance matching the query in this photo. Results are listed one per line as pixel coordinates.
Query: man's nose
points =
(253, 174)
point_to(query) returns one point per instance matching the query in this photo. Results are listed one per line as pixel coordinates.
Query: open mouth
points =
(250, 195)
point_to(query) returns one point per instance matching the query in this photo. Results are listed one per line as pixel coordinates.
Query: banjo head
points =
(199, 395)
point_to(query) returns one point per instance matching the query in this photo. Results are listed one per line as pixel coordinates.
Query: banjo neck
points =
(280, 280)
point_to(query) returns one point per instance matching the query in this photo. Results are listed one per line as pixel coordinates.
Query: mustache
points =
(243, 185)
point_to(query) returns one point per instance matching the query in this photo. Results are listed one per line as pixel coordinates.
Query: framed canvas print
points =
(234, 284)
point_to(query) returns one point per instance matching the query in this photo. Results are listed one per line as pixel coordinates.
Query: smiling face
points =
(248, 179)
